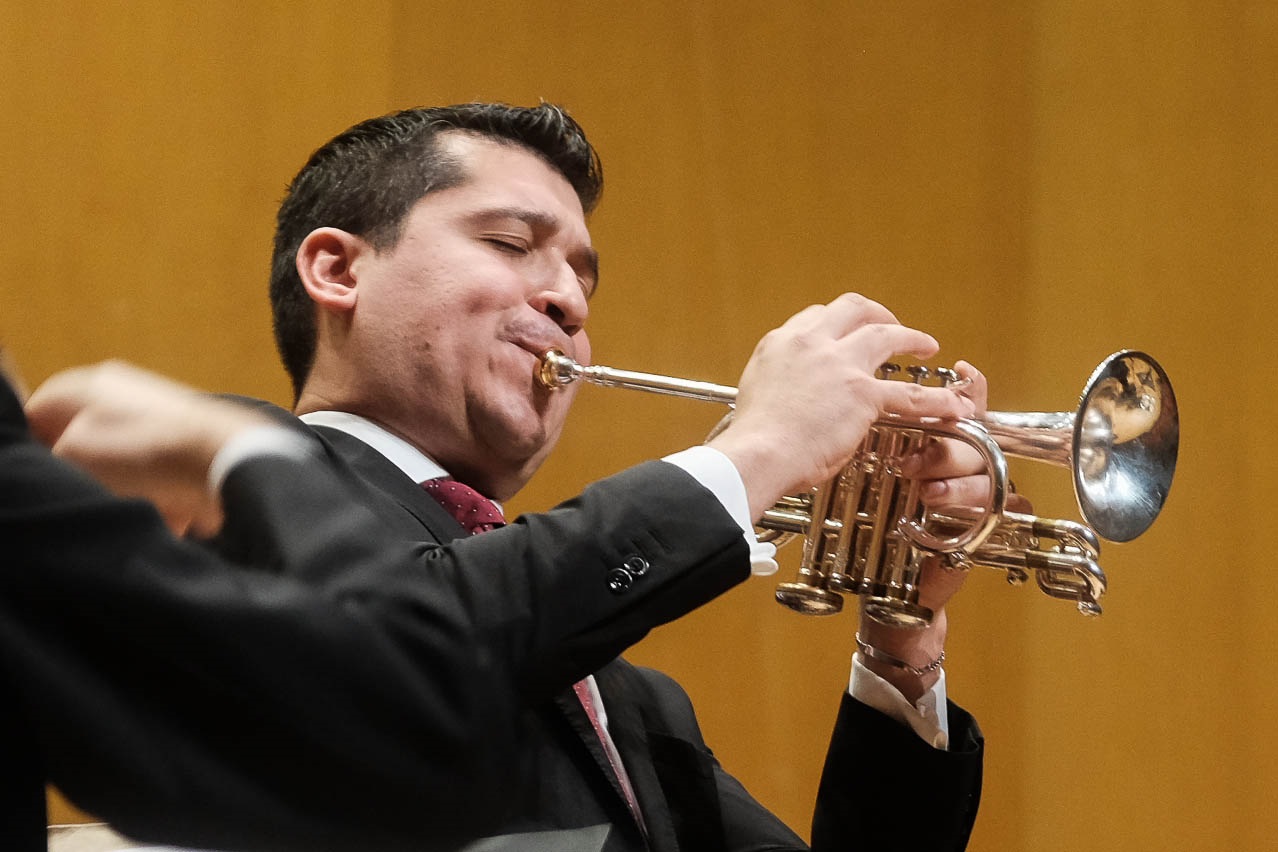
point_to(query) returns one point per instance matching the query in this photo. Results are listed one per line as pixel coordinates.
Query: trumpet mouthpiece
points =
(557, 369)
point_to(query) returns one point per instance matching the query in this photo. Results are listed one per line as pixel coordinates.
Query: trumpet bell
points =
(1126, 437)
(1120, 443)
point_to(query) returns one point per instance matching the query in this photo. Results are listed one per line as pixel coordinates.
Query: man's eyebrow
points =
(527, 215)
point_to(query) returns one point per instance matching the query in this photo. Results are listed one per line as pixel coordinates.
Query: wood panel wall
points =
(1038, 184)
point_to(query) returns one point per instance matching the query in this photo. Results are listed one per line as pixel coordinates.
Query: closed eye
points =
(508, 244)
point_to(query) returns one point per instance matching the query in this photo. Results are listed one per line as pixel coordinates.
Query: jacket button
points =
(620, 580)
(636, 565)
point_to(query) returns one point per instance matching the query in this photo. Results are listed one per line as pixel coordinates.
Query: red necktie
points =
(582, 688)
(477, 514)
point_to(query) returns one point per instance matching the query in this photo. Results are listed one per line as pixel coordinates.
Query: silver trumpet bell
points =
(866, 532)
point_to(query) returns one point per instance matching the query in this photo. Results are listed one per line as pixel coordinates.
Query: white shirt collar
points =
(413, 462)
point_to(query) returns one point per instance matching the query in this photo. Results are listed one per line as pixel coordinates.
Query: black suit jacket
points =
(22, 802)
(320, 680)
(882, 788)
(190, 698)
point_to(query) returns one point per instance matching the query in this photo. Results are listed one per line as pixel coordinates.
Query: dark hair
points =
(367, 179)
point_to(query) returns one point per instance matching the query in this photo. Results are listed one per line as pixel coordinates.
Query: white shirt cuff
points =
(258, 441)
(716, 472)
(928, 717)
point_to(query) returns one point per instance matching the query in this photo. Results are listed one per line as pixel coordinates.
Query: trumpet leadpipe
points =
(557, 370)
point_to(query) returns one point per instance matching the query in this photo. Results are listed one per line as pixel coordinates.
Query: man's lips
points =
(539, 346)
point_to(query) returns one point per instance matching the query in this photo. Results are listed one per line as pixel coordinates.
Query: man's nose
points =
(563, 299)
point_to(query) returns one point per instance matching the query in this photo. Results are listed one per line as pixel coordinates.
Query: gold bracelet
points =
(874, 653)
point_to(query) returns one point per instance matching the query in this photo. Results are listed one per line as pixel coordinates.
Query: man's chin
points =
(517, 453)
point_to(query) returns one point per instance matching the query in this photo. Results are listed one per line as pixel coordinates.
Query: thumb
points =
(56, 403)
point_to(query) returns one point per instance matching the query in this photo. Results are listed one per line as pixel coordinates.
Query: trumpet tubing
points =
(867, 533)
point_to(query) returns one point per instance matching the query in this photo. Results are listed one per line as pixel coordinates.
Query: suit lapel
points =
(622, 696)
(570, 706)
(379, 474)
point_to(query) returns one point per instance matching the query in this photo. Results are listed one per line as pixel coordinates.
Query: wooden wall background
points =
(1037, 183)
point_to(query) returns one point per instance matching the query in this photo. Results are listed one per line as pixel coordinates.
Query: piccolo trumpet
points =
(866, 532)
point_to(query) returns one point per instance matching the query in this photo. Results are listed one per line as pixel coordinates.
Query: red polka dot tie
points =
(475, 512)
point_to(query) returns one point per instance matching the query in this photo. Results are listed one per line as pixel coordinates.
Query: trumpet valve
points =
(808, 599)
(949, 378)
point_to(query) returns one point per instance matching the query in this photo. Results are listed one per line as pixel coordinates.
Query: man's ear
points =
(324, 263)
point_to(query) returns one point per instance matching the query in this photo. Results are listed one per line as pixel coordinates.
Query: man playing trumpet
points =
(423, 263)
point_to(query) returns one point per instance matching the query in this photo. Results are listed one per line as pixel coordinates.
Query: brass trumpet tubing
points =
(1060, 554)
(787, 522)
(807, 516)
(872, 503)
(976, 436)
(1017, 530)
(1079, 580)
(899, 508)
(1064, 576)
(884, 495)
(813, 568)
(849, 486)
(1046, 436)
(1069, 573)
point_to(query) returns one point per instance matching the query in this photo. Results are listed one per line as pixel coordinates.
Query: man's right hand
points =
(809, 394)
